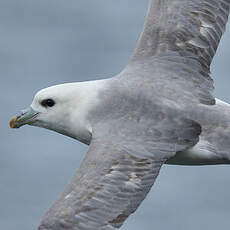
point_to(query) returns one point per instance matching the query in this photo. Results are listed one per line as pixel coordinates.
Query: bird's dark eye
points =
(48, 103)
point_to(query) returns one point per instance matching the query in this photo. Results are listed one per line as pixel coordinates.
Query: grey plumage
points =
(153, 109)
(118, 172)
(214, 139)
(190, 27)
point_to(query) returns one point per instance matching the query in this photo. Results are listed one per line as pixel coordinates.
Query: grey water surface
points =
(47, 42)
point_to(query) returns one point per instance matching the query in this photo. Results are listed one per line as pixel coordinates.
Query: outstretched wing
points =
(116, 175)
(190, 27)
(184, 35)
(108, 187)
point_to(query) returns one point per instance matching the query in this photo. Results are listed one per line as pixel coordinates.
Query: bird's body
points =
(214, 122)
(211, 149)
(159, 109)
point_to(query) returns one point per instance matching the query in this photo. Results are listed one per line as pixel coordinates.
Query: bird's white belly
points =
(204, 152)
(200, 154)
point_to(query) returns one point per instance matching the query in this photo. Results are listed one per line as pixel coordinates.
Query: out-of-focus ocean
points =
(47, 42)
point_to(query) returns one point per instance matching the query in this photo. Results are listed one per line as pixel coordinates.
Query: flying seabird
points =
(159, 109)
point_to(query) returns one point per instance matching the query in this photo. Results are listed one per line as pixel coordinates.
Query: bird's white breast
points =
(200, 154)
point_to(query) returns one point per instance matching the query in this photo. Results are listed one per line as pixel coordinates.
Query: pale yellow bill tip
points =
(12, 122)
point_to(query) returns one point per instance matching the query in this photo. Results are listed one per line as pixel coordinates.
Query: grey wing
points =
(115, 176)
(179, 40)
(109, 186)
(193, 28)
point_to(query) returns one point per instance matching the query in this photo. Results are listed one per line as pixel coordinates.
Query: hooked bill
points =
(12, 122)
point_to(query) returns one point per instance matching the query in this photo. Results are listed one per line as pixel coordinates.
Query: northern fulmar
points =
(159, 109)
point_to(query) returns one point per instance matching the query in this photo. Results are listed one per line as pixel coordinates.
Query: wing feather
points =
(108, 189)
(185, 26)
(115, 177)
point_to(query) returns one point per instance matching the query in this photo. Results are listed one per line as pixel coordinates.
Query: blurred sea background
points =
(48, 42)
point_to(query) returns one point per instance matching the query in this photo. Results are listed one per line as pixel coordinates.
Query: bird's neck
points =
(88, 98)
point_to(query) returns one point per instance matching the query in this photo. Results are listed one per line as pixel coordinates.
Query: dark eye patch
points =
(48, 103)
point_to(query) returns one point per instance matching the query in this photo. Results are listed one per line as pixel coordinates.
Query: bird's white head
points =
(62, 108)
